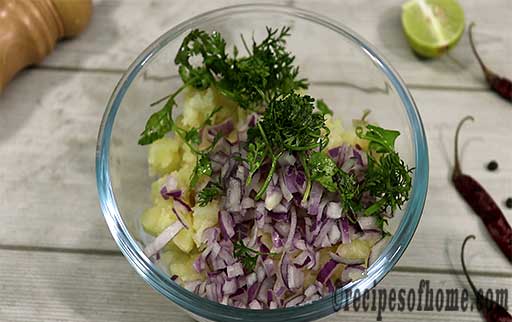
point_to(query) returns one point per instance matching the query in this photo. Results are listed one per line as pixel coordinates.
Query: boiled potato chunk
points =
(355, 250)
(339, 135)
(181, 264)
(164, 156)
(184, 240)
(156, 186)
(154, 220)
(204, 217)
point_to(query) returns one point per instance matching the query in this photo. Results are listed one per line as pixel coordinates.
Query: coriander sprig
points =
(212, 191)
(247, 256)
(252, 81)
(388, 178)
(289, 124)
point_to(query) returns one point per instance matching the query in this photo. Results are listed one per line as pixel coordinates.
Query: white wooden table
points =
(58, 262)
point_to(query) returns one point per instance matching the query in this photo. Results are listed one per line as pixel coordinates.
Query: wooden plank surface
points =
(114, 38)
(50, 200)
(77, 287)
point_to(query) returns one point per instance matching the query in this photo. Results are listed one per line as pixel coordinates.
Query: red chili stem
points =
(500, 85)
(456, 167)
(488, 73)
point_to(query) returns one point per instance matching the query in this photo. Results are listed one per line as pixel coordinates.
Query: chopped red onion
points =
(260, 273)
(180, 218)
(235, 270)
(333, 210)
(322, 234)
(299, 244)
(277, 242)
(226, 224)
(255, 305)
(345, 233)
(229, 287)
(287, 194)
(251, 279)
(372, 236)
(326, 271)
(273, 197)
(252, 291)
(294, 301)
(268, 264)
(314, 198)
(286, 159)
(311, 290)
(334, 234)
(247, 203)
(377, 250)
(161, 240)
(199, 264)
(224, 128)
(166, 194)
(181, 205)
(293, 226)
(295, 277)
(265, 287)
(233, 195)
(368, 222)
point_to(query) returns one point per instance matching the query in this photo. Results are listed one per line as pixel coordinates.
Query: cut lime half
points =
(432, 27)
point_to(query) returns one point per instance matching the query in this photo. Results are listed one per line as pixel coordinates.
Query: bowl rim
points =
(161, 281)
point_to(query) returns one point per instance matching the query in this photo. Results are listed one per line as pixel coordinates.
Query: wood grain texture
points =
(37, 286)
(114, 38)
(50, 200)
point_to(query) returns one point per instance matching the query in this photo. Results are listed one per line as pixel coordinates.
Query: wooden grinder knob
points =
(29, 30)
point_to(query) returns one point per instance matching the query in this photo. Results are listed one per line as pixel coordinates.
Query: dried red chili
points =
(500, 85)
(482, 203)
(492, 311)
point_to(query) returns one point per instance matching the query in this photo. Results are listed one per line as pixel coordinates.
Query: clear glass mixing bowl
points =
(343, 69)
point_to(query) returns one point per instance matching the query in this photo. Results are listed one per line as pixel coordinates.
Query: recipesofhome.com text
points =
(423, 298)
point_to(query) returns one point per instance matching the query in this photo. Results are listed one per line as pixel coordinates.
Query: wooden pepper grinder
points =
(29, 30)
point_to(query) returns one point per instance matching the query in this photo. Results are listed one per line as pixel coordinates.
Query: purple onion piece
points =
(326, 271)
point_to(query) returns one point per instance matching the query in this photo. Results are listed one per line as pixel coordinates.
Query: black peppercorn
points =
(492, 166)
(508, 203)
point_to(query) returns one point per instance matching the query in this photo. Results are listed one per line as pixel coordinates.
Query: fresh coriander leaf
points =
(247, 256)
(323, 170)
(209, 193)
(256, 153)
(161, 122)
(381, 140)
(193, 136)
(267, 72)
(203, 168)
(323, 108)
(212, 49)
(157, 126)
(288, 124)
(387, 178)
(349, 190)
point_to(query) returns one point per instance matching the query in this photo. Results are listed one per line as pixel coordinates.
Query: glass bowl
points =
(343, 69)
